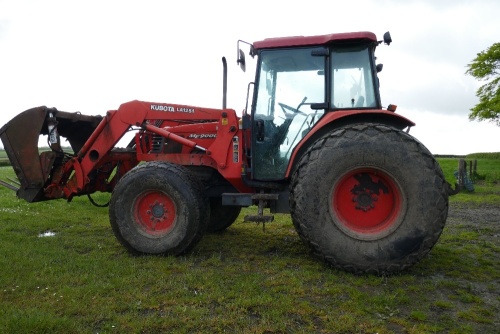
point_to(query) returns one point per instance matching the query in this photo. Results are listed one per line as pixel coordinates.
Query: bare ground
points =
(476, 297)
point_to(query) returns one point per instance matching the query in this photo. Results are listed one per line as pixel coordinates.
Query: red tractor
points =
(316, 143)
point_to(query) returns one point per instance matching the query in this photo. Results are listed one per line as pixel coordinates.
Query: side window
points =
(352, 80)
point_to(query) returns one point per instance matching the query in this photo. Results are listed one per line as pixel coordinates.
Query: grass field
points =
(64, 272)
(487, 178)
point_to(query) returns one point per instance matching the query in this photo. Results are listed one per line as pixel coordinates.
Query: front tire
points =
(368, 198)
(158, 208)
(221, 216)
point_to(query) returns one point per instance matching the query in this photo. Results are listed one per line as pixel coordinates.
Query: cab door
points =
(289, 81)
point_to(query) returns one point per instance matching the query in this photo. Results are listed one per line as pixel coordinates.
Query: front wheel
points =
(369, 198)
(158, 208)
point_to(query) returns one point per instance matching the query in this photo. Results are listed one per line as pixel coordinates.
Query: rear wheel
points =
(158, 208)
(369, 198)
(221, 216)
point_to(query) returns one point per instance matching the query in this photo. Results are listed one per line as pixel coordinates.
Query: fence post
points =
(462, 165)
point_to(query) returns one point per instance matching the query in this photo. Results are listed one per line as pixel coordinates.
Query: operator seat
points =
(360, 103)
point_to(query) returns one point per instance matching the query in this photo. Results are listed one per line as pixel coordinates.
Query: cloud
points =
(445, 134)
(92, 56)
(424, 68)
(4, 26)
(433, 86)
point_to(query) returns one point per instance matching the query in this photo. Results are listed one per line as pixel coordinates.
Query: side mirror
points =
(241, 60)
(379, 67)
(387, 38)
(241, 54)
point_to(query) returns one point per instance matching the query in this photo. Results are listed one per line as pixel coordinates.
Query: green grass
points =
(486, 181)
(246, 280)
(4, 160)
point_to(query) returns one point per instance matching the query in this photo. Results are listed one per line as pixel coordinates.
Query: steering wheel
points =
(294, 110)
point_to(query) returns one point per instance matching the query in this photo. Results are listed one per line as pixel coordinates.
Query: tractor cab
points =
(298, 81)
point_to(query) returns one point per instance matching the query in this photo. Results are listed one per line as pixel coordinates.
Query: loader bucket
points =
(20, 137)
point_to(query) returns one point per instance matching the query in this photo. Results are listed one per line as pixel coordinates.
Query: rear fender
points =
(336, 119)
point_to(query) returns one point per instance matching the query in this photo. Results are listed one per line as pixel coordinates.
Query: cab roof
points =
(280, 42)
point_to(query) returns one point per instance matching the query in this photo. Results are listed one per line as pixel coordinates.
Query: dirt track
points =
(484, 218)
(484, 221)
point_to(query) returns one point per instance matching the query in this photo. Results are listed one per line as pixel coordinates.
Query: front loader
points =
(314, 141)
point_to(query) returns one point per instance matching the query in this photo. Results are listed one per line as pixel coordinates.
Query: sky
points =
(91, 56)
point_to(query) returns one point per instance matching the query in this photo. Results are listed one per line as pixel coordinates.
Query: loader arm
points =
(97, 164)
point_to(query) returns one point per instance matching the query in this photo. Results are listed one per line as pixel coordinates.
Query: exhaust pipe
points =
(224, 82)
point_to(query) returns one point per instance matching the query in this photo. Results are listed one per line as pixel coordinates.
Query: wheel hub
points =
(157, 210)
(366, 203)
(366, 191)
(155, 213)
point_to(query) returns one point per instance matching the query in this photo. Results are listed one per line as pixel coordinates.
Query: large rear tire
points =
(158, 208)
(368, 198)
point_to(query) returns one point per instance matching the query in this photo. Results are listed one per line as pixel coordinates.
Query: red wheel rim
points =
(367, 203)
(155, 213)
